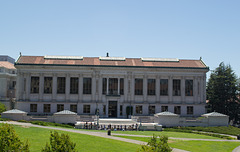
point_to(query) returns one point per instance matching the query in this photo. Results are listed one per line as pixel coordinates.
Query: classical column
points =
(80, 87)
(170, 89)
(107, 85)
(118, 86)
(145, 87)
(41, 86)
(204, 89)
(20, 86)
(195, 89)
(183, 89)
(28, 85)
(158, 88)
(54, 87)
(67, 88)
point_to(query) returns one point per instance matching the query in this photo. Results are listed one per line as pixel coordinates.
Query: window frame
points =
(61, 85)
(73, 108)
(74, 85)
(177, 110)
(87, 85)
(47, 88)
(86, 109)
(151, 87)
(151, 109)
(138, 109)
(60, 107)
(47, 108)
(176, 87)
(188, 87)
(138, 87)
(190, 110)
(33, 108)
(163, 87)
(34, 84)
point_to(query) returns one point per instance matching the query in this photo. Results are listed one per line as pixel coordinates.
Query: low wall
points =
(189, 122)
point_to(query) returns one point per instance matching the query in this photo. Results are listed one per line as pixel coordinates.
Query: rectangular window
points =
(164, 87)
(73, 85)
(164, 108)
(151, 110)
(33, 107)
(177, 110)
(34, 84)
(151, 86)
(104, 86)
(61, 83)
(47, 85)
(73, 108)
(121, 110)
(46, 108)
(104, 109)
(188, 87)
(138, 86)
(86, 108)
(113, 86)
(176, 87)
(87, 85)
(121, 86)
(60, 107)
(138, 109)
(190, 110)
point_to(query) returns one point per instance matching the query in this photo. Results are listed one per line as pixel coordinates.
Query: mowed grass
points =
(37, 138)
(196, 146)
(166, 133)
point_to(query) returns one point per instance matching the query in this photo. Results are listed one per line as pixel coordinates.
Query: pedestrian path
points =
(104, 135)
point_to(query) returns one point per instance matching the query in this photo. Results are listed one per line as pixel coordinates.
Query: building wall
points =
(97, 100)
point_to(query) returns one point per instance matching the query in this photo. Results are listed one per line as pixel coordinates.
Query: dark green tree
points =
(222, 90)
(59, 143)
(9, 140)
(156, 144)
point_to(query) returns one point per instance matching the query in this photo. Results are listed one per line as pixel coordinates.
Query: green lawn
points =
(166, 133)
(38, 137)
(196, 146)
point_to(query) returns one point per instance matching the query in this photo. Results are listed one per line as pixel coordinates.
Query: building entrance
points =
(112, 109)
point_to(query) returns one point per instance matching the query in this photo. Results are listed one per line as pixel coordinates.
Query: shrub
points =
(2, 108)
(43, 123)
(9, 140)
(154, 145)
(59, 143)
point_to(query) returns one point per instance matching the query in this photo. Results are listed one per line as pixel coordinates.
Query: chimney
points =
(107, 54)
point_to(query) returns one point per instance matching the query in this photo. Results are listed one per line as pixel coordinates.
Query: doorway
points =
(112, 109)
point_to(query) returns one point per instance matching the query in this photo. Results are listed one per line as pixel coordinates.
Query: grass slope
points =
(38, 137)
(196, 146)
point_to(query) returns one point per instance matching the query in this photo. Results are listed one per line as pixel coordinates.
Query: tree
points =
(154, 145)
(9, 140)
(222, 91)
(2, 108)
(59, 143)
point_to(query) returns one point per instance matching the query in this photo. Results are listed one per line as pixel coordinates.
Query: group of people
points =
(91, 125)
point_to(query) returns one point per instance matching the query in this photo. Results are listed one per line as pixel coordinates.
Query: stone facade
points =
(8, 78)
(108, 88)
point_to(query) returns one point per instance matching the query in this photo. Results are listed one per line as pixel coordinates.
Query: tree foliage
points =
(156, 144)
(2, 107)
(59, 143)
(222, 91)
(9, 140)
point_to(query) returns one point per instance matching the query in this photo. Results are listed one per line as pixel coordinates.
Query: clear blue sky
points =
(184, 29)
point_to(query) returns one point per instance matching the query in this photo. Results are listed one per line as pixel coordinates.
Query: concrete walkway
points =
(104, 135)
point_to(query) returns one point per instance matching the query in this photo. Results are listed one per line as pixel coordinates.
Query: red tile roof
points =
(7, 65)
(94, 61)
